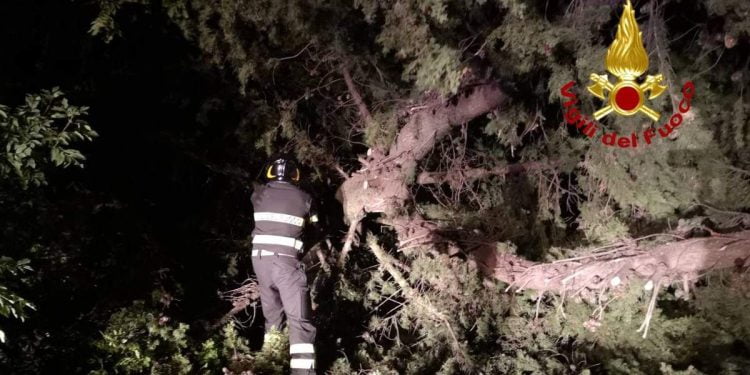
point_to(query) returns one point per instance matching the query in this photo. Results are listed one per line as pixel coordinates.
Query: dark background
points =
(147, 209)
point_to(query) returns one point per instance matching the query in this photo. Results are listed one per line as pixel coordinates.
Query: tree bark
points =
(382, 185)
(670, 262)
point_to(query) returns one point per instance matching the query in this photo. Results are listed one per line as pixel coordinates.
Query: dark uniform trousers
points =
(284, 291)
(279, 211)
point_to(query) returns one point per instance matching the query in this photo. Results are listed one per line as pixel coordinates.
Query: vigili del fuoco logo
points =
(627, 61)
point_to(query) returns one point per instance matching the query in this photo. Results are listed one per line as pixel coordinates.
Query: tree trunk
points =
(382, 185)
(670, 262)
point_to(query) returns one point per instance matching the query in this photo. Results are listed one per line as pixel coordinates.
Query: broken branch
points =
(363, 111)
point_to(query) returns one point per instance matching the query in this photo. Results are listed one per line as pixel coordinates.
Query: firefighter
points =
(281, 210)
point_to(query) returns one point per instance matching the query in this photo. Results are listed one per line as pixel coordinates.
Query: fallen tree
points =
(382, 186)
(681, 261)
(594, 274)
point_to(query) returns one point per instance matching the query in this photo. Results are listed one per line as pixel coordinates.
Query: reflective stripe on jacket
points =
(280, 210)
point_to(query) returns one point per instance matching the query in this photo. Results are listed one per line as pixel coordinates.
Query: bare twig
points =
(348, 241)
(650, 312)
(296, 54)
(363, 111)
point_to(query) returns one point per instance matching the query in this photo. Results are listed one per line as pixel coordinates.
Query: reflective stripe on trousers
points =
(301, 363)
(284, 292)
(303, 356)
(301, 349)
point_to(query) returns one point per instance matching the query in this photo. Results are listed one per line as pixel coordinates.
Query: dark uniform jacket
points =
(280, 212)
